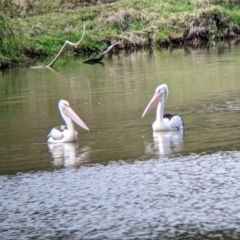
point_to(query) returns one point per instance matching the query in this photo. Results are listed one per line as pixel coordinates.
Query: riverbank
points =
(32, 29)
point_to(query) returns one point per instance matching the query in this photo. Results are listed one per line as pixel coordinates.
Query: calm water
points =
(118, 181)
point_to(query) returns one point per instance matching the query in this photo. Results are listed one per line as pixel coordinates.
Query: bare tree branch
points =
(98, 59)
(75, 45)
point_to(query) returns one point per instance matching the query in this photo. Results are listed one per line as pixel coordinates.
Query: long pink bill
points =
(155, 99)
(70, 113)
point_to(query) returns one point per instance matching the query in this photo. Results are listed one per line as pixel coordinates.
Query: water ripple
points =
(182, 197)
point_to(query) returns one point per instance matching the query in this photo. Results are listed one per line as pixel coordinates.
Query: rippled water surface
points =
(119, 181)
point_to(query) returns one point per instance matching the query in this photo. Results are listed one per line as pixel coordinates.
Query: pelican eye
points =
(159, 90)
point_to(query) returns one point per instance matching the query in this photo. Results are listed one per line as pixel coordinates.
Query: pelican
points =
(164, 122)
(62, 133)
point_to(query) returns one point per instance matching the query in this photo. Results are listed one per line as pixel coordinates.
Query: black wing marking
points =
(61, 128)
(170, 116)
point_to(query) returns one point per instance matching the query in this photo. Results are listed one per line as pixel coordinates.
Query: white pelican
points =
(62, 133)
(166, 122)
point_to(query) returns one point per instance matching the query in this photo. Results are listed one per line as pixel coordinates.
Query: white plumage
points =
(62, 133)
(164, 122)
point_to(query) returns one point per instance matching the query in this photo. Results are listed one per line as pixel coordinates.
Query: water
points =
(118, 181)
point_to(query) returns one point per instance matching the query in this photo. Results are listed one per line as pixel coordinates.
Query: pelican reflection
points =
(165, 143)
(68, 154)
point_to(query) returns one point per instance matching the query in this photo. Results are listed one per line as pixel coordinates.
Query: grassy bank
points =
(31, 28)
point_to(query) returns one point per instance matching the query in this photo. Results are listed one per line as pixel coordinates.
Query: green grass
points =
(234, 16)
(41, 28)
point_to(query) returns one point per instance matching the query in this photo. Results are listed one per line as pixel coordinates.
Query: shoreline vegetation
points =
(31, 29)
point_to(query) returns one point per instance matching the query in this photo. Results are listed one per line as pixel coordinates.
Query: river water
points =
(119, 181)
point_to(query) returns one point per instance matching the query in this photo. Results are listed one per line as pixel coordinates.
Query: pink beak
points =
(70, 113)
(155, 99)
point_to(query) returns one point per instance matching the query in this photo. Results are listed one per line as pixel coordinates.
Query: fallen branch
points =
(75, 45)
(100, 58)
